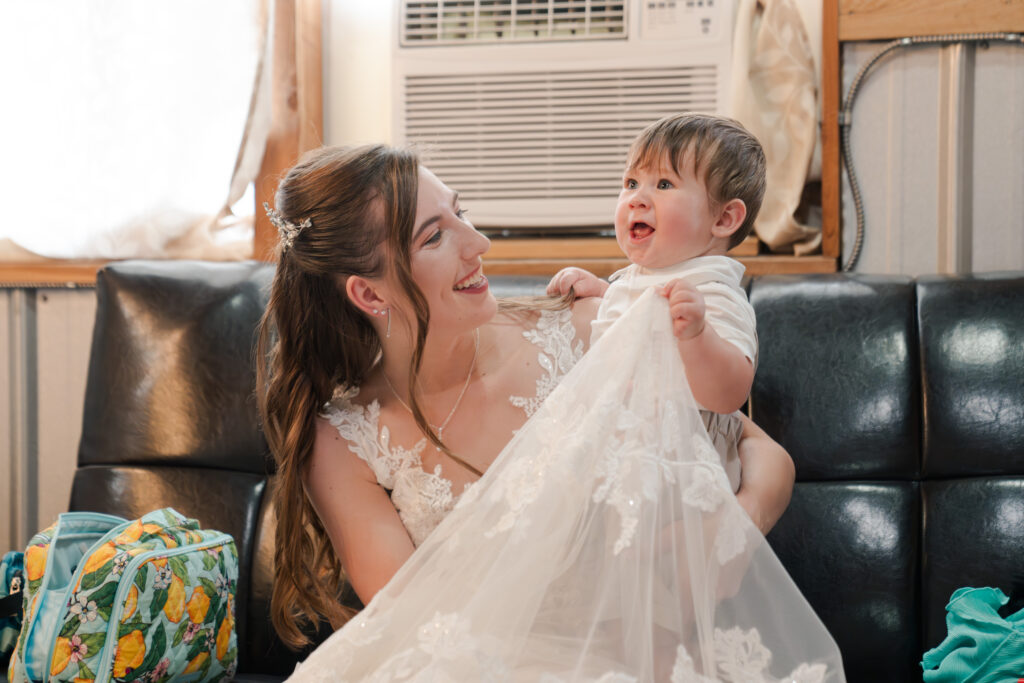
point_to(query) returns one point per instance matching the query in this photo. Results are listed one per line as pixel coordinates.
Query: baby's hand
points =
(582, 282)
(686, 306)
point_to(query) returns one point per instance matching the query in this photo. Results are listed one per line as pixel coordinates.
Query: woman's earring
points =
(387, 334)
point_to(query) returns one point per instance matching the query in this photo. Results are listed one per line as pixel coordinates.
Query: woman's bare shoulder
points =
(333, 455)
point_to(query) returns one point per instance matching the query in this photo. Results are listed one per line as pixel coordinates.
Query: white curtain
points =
(130, 128)
(776, 50)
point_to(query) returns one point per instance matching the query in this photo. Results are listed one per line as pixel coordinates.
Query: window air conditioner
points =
(527, 107)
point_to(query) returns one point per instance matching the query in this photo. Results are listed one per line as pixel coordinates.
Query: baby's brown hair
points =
(725, 154)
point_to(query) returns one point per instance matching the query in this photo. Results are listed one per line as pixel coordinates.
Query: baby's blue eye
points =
(631, 184)
(664, 185)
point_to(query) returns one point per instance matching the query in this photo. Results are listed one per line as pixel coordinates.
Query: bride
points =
(603, 543)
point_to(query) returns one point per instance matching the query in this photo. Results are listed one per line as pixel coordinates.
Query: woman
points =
(375, 252)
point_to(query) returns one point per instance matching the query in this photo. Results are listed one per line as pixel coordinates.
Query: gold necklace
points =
(440, 430)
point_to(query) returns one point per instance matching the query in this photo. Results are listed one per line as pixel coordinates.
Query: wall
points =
(45, 336)
(897, 145)
(357, 71)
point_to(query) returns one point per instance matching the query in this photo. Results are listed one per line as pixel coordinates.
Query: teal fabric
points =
(980, 645)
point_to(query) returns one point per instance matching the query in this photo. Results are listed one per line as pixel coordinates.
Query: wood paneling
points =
(831, 69)
(888, 19)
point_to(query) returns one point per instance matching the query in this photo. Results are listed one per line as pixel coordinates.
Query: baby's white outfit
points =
(727, 310)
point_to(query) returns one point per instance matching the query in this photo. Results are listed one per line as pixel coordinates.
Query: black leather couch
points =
(901, 401)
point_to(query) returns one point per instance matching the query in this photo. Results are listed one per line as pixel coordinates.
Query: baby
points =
(691, 190)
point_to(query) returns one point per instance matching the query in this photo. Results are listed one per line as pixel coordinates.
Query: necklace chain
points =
(472, 365)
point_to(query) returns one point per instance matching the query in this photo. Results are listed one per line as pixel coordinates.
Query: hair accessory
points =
(287, 230)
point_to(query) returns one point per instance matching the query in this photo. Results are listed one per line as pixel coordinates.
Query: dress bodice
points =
(423, 498)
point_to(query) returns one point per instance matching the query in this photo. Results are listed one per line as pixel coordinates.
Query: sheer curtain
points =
(131, 128)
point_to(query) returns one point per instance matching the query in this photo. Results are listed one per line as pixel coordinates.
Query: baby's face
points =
(664, 218)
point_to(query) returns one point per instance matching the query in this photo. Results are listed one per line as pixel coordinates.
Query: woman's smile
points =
(474, 283)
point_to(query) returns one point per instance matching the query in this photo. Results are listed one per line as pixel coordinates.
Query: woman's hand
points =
(767, 479)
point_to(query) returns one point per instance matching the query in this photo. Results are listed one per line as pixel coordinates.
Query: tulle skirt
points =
(603, 544)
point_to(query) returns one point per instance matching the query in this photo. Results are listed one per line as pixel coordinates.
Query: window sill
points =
(49, 273)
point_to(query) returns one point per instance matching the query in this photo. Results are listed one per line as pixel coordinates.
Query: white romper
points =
(728, 311)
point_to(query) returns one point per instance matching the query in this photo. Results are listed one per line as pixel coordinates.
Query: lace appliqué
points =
(631, 469)
(446, 650)
(360, 631)
(741, 656)
(423, 499)
(554, 335)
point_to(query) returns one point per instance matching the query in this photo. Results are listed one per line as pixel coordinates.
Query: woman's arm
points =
(367, 534)
(768, 475)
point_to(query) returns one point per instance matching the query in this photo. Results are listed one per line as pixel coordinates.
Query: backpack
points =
(12, 578)
(108, 599)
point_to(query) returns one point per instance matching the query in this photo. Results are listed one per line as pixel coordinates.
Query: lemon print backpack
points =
(108, 599)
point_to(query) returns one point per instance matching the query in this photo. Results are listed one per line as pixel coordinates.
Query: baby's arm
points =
(583, 283)
(719, 373)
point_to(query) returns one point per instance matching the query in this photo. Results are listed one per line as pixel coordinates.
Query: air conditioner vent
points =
(544, 135)
(456, 22)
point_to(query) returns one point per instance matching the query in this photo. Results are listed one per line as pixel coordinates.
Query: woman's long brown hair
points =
(361, 205)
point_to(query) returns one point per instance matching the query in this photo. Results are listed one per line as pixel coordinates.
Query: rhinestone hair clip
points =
(286, 230)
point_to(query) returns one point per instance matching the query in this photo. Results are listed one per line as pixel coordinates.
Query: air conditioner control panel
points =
(682, 19)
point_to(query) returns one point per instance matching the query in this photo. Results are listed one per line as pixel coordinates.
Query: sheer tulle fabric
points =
(603, 544)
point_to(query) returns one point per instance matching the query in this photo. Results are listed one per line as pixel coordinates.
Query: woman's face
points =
(446, 259)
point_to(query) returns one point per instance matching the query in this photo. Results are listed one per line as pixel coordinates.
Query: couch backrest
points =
(902, 403)
(171, 419)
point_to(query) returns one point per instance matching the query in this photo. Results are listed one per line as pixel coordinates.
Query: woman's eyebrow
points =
(426, 224)
(433, 219)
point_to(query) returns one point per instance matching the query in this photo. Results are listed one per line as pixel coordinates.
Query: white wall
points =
(357, 71)
(64, 322)
(896, 141)
(45, 337)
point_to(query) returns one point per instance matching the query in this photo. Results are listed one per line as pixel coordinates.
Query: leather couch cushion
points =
(837, 377)
(972, 356)
(171, 374)
(852, 548)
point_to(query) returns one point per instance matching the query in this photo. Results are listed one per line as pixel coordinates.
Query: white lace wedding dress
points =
(603, 544)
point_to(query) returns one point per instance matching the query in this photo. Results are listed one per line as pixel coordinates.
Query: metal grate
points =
(450, 22)
(544, 135)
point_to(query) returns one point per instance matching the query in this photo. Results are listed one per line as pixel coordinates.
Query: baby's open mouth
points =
(639, 231)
